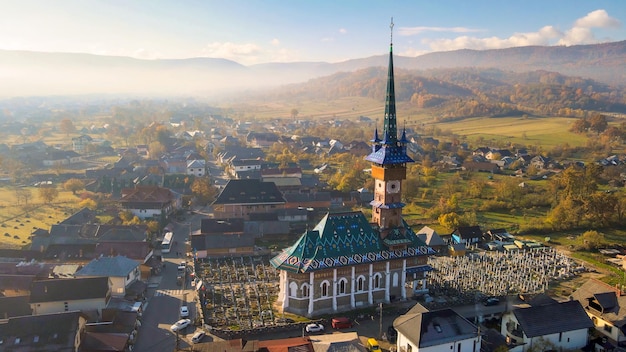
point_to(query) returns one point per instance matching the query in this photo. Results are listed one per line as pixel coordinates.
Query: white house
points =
(548, 326)
(122, 272)
(64, 295)
(437, 331)
(196, 167)
(606, 306)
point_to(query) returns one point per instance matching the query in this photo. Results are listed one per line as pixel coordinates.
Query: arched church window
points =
(293, 289)
(324, 288)
(342, 286)
(360, 283)
(305, 290)
(377, 280)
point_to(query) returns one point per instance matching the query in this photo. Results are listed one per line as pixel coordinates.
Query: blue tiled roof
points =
(346, 239)
(388, 155)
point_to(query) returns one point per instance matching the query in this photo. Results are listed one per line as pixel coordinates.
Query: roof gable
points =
(69, 289)
(118, 266)
(251, 191)
(552, 318)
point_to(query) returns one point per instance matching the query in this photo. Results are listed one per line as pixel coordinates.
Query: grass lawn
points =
(17, 221)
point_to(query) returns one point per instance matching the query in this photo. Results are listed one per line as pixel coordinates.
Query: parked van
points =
(341, 323)
(372, 345)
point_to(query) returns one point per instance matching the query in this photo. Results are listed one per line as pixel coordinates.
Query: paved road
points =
(165, 297)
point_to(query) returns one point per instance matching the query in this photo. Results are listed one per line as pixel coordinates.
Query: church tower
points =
(389, 161)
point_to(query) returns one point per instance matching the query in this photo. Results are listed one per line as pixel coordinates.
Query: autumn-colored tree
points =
(449, 220)
(126, 216)
(67, 126)
(48, 194)
(203, 190)
(591, 240)
(22, 195)
(73, 185)
(598, 123)
(88, 203)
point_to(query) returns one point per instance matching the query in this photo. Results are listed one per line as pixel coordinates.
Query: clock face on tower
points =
(393, 186)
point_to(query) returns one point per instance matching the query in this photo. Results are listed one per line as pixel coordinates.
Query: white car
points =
(184, 311)
(181, 324)
(314, 327)
(197, 337)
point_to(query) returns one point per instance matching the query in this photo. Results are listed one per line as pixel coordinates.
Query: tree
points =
(67, 126)
(294, 113)
(598, 123)
(73, 185)
(22, 195)
(591, 240)
(48, 194)
(203, 190)
(449, 220)
(88, 203)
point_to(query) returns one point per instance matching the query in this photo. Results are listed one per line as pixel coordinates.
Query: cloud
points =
(343, 31)
(247, 52)
(581, 32)
(275, 42)
(541, 37)
(599, 19)
(409, 31)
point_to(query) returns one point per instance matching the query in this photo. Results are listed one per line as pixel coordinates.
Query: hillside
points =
(459, 93)
(27, 73)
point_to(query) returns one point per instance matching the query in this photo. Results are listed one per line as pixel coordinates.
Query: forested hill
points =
(468, 92)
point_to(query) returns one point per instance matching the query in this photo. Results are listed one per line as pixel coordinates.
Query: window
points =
(360, 283)
(342, 286)
(293, 289)
(324, 287)
(67, 308)
(409, 348)
(377, 279)
(608, 328)
(305, 290)
(394, 280)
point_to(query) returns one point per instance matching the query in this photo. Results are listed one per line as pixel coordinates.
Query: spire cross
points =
(391, 28)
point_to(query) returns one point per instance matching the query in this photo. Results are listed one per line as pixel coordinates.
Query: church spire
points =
(390, 132)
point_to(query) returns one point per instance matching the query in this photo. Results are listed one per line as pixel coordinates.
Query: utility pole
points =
(380, 320)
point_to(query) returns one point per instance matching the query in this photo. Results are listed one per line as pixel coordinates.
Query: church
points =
(347, 262)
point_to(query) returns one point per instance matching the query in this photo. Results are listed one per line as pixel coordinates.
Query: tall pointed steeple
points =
(390, 132)
(388, 150)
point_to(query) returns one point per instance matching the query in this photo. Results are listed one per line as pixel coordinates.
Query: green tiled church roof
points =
(342, 239)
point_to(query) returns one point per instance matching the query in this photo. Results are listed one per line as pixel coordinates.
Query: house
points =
(61, 157)
(436, 331)
(240, 198)
(501, 235)
(606, 307)
(220, 238)
(122, 271)
(62, 295)
(432, 239)
(467, 235)
(547, 326)
(60, 331)
(80, 143)
(196, 168)
(149, 202)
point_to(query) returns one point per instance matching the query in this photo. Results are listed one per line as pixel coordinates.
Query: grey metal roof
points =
(552, 318)
(250, 192)
(118, 266)
(434, 328)
(69, 289)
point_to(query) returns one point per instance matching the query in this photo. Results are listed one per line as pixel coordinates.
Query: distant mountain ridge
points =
(36, 73)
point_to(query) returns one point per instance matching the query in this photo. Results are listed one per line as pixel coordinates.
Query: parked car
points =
(184, 311)
(341, 323)
(197, 337)
(491, 301)
(181, 324)
(392, 334)
(314, 327)
(372, 345)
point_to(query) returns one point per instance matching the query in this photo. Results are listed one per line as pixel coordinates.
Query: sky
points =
(260, 31)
